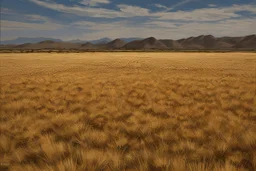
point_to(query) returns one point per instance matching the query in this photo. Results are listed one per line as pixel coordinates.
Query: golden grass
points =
(128, 111)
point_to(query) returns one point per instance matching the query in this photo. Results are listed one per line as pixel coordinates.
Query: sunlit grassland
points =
(128, 111)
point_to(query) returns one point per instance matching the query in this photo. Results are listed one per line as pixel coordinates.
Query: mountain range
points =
(201, 42)
(24, 40)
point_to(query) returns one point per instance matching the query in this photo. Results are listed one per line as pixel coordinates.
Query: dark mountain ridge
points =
(148, 43)
(202, 42)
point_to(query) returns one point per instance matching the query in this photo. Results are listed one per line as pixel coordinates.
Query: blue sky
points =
(93, 19)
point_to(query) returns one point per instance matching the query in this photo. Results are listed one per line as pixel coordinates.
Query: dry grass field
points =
(128, 111)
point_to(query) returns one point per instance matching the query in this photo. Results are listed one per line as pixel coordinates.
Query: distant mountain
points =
(22, 40)
(103, 40)
(116, 44)
(247, 42)
(100, 41)
(148, 43)
(192, 43)
(230, 40)
(128, 40)
(88, 45)
(209, 42)
(171, 44)
(97, 41)
(77, 41)
(49, 44)
(199, 42)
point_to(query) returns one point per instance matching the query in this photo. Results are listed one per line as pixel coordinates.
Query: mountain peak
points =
(117, 43)
(151, 40)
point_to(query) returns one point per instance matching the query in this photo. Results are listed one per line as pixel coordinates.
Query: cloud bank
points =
(135, 21)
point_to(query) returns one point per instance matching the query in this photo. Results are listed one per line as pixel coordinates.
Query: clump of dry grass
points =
(77, 112)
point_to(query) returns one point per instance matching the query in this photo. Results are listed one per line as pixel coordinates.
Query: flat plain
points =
(128, 111)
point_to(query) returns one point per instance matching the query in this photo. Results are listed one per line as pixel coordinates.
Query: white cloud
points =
(94, 2)
(182, 3)
(99, 26)
(125, 28)
(224, 21)
(29, 17)
(161, 6)
(161, 24)
(124, 10)
(128, 10)
(206, 14)
(34, 17)
(164, 30)
(197, 15)
(238, 8)
(212, 5)
(77, 10)
(15, 25)
(84, 23)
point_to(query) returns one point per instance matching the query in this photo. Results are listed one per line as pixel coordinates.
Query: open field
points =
(128, 111)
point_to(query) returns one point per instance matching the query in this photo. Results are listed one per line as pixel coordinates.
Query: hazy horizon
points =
(117, 37)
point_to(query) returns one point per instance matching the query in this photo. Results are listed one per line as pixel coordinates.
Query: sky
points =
(94, 19)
